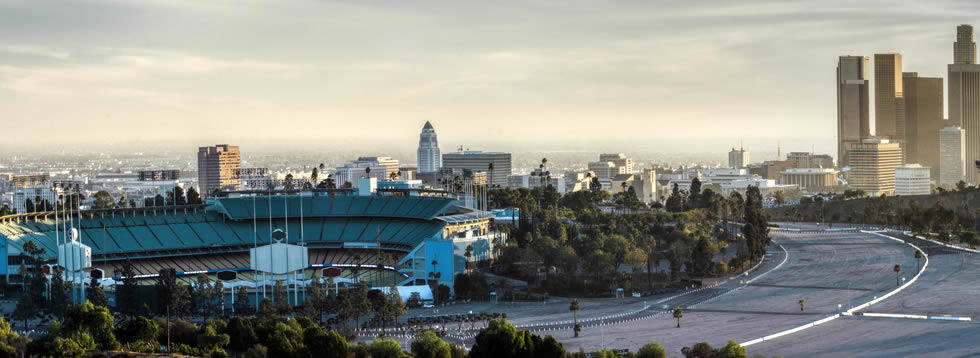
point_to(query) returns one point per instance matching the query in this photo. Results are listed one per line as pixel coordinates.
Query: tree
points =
(242, 333)
(96, 294)
(281, 298)
(898, 273)
(241, 304)
(138, 329)
(694, 195)
(385, 348)
(548, 347)
(86, 319)
(918, 256)
(502, 339)
(174, 298)
(675, 202)
(391, 308)
(731, 350)
(361, 303)
(24, 309)
(325, 344)
(428, 345)
(127, 299)
(103, 200)
(651, 350)
(193, 197)
(574, 307)
(678, 314)
(801, 302)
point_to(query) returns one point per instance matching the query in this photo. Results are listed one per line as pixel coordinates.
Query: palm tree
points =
(678, 314)
(801, 301)
(574, 307)
(468, 254)
(490, 169)
(918, 256)
(898, 272)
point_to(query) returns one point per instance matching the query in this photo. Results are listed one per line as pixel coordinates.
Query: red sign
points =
(46, 269)
(332, 272)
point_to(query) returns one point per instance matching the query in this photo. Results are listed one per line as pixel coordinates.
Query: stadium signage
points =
(332, 272)
(227, 275)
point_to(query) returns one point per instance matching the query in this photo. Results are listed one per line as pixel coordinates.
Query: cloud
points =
(36, 51)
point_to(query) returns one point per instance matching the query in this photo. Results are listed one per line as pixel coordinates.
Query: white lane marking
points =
(894, 315)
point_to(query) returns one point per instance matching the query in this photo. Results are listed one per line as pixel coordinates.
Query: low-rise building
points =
(912, 179)
(810, 179)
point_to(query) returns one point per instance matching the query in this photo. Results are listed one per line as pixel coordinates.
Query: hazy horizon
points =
(494, 76)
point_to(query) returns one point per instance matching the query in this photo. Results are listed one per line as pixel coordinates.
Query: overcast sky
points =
(481, 71)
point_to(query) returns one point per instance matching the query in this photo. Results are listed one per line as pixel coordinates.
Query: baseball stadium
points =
(409, 238)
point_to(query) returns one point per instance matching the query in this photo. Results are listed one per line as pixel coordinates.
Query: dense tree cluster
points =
(948, 216)
(596, 250)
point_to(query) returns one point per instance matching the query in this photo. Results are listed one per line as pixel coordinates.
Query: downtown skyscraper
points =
(963, 88)
(889, 97)
(853, 108)
(429, 158)
(923, 120)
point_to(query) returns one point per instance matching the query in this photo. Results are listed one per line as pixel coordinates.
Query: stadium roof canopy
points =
(235, 224)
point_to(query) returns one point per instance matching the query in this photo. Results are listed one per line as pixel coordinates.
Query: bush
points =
(651, 350)
(385, 348)
(428, 345)
(721, 268)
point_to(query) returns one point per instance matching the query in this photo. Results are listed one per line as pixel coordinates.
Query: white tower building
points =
(429, 158)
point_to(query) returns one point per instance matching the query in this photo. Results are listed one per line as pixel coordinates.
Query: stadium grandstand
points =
(385, 237)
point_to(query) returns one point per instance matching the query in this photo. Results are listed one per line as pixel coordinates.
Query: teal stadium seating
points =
(228, 225)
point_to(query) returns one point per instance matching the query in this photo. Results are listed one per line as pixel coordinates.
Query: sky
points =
(676, 75)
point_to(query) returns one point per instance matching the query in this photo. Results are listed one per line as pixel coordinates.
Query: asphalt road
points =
(832, 271)
(949, 286)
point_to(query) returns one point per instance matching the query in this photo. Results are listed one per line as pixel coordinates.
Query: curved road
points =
(949, 286)
(826, 269)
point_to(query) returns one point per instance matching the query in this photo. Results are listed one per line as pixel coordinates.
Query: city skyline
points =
(642, 67)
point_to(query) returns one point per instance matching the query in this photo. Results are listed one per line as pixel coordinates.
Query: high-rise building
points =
(952, 156)
(964, 49)
(481, 161)
(429, 159)
(217, 167)
(853, 108)
(923, 119)
(623, 164)
(873, 163)
(603, 170)
(963, 88)
(889, 97)
(799, 159)
(912, 179)
(738, 158)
